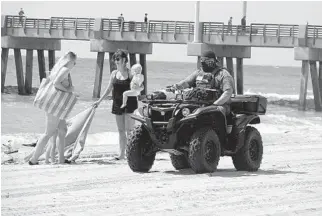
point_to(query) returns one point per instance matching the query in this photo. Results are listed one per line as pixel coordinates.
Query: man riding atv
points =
(200, 125)
(211, 76)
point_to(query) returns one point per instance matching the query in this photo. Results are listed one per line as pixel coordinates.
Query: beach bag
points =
(54, 101)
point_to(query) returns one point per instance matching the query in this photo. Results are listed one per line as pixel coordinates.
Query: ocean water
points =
(281, 85)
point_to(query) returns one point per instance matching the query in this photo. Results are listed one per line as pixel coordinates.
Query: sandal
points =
(31, 163)
(30, 144)
(67, 161)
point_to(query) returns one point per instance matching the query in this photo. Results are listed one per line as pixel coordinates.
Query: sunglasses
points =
(206, 60)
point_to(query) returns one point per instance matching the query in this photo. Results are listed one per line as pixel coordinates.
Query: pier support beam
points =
(28, 78)
(198, 62)
(309, 56)
(320, 78)
(221, 61)
(240, 76)
(112, 46)
(132, 59)
(19, 72)
(39, 44)
(51, 59)
(112, 63)
(30, 43)
(144, 72)
(197, 23)
(98, 74)
(230, 65)
(41, 64)
(303, 87)
(4, 62)
(230, 68)
(315, 86)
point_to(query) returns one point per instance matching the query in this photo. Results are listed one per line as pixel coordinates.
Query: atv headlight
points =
(146, 111)
(185, 111)
(149, 96)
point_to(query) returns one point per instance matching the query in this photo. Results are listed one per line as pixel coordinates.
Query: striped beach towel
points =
(53, 101)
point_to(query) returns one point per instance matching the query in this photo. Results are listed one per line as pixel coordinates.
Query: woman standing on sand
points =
(60, 77)
(120, 80)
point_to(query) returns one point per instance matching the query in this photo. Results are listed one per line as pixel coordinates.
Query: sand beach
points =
(289, 181)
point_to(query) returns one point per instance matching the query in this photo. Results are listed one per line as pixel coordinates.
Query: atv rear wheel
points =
(179, 161)
(139, 143)
(249, 157)
(204, 151)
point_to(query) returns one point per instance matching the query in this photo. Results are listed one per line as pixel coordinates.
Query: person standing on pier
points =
(120, 20)
(21, 14)
(61, 80)
(145, 21)
(230, 23)
(120, 80)
(243, 24)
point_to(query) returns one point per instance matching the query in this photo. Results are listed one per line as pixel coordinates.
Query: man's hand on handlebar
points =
(171, 88)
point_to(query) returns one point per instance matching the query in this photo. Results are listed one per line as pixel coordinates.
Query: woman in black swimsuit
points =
(120, 80)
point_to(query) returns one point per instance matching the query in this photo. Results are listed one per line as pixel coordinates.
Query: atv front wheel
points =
(139, 144)
(179, 161)
(204, 151)
(249, 157)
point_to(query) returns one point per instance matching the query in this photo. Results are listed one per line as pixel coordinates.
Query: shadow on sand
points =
(233, 173)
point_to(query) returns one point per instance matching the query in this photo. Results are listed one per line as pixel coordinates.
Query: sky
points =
(278, 12)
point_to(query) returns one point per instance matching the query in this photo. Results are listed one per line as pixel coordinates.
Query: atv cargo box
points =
(248, 104)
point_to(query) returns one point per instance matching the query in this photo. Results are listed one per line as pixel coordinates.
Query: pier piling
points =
(320, 78)
(28, 78)
(198, 63)
(19, 72)
(51, 59)
(132, 59)
(98, 74)
(4, 62)
(315, 86)
(41, 64)
(230, 67)
(303, 87)
(221, 61)
(144, 72)
(240, 76)
(112, 63)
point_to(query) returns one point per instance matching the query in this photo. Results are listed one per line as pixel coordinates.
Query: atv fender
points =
(147, 124)
(203, 112)
(240, 126)
(243, 120)
(210, 116)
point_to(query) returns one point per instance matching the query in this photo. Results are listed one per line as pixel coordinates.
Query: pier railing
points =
(277, 30)
(163, 27)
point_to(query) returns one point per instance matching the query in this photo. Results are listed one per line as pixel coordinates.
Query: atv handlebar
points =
(176, 101)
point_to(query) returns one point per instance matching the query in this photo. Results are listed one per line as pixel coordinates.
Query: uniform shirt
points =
(220, 80)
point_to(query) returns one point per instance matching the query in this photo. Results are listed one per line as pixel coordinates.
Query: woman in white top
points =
(60, 76)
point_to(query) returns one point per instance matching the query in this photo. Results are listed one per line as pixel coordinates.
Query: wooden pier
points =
(106, 35)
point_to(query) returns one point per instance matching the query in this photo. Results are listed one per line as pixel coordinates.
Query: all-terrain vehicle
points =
(196, 133)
